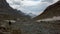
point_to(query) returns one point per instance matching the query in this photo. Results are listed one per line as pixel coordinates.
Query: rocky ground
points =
(30, 27)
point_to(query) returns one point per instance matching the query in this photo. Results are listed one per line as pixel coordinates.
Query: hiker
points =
(9, 22)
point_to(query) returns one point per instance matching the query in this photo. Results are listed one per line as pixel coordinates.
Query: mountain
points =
(6, 10)
(23, 25)
(32, 15)
(11, 19)
(51, 11)
(49, 20)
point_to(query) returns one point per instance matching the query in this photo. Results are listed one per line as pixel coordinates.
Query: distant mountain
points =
(32, 15)
(51, 11)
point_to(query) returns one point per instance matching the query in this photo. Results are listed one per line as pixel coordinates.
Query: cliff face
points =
(51, 11)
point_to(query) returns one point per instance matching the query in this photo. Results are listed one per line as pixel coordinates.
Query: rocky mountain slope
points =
(49, 21)
(51, 11)
(9, 16)
(6, 10)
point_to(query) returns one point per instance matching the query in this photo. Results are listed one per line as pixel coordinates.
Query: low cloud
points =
(31, 6)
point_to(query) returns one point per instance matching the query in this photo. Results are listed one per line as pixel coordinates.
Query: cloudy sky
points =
(35, 7)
